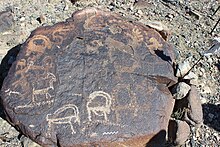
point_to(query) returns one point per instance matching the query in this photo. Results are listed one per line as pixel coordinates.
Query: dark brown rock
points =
(178, 131)
(96, 79)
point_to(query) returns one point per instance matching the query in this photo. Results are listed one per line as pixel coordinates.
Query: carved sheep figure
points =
(99, 110)
(55, 118)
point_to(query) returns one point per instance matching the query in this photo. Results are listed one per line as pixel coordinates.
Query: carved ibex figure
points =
(99, 110)
(57, 118)
(44, 91)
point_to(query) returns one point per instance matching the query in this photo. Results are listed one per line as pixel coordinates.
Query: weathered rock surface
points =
(96, 79)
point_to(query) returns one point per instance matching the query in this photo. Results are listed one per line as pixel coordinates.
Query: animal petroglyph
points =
(72, 117)
(9, 92)
(89, 23)
(115, 28)
(44, 91)
(59, 33)
(102, 110)
(38, 44)
(154, 45)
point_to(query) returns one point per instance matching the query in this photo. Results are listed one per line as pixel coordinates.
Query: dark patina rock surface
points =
(96, 79)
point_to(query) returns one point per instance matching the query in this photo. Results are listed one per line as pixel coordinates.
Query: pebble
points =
(22, 19)
(207, 89)
(6, 21)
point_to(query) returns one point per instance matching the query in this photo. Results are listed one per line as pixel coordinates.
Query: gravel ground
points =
(189, 23)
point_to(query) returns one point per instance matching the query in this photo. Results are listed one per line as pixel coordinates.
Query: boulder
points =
(95, 79)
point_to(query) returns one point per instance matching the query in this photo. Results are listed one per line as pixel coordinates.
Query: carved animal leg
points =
(105, 116)
(48, 96)
(33, 98)
(49, 129)
(89, 115)
(73, 131)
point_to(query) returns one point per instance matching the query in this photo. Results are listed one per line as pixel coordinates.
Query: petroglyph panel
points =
(94, 78)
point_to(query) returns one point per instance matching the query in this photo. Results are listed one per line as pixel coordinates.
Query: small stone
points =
(139, 12)
(141, 4)
(6, 21)
(178, 132)
(170, 16)
(180, 90)
(22, 19)
(203, 100)
(41, 19)
(195, 114)
(183, 68)
(206, 89)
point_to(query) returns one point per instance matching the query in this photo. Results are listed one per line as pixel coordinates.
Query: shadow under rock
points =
(158, 140)
(5, 65)
(211, 116)
(161, 54)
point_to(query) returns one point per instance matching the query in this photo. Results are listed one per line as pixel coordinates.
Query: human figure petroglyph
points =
(71, 118)
(44, 91)
(102, 110)
(38, 44)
